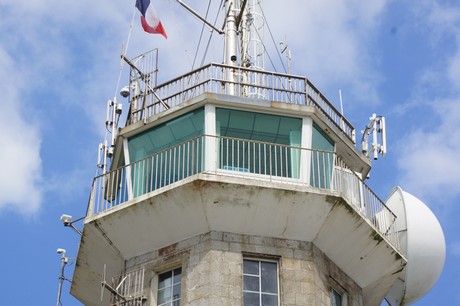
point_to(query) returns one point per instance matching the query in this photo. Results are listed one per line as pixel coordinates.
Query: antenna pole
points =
(230, 44)
(64, 261)
(341, 103)
(285, 48)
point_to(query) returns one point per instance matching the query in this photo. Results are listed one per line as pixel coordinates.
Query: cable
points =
(201, 35)
(273, 40)
(210, 35)
(209, 40)
(265, 48)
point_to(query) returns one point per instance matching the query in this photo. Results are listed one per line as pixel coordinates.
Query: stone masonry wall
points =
(212, 270)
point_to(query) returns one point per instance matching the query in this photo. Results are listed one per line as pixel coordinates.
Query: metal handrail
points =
(316, 169)
(211, 78)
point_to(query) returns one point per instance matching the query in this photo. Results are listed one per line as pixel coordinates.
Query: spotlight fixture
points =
(67, 221)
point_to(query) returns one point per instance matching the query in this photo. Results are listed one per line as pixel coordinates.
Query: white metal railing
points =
(127, 289)
(211, 78)
(246, 158)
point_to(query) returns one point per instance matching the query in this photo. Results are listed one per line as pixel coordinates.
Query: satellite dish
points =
(422, 242)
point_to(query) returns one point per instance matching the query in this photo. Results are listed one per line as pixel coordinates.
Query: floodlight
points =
(60, 251)
(66, 219)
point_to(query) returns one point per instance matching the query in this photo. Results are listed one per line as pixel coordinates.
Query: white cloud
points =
(49, 53)
(20, 188)
(429, 159)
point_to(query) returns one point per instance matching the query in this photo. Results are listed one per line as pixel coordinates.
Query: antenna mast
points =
(252, 46)
(230, 55)
(244, 21)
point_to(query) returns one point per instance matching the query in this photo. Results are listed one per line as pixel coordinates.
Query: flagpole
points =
(124, 50)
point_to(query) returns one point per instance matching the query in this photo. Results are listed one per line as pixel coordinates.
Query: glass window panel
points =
(269, 277)
(164, 280)
(167, 166)
(169, 288)
(164, 295)
(336, 298)
(269, 300)
(251, 267)
(177, 276)
(267, 124)
(176, 291)
(251, 283)
(260, 283)
(256, 126)
(321, 162)
(166, 135)
(259, 158)
(320, 141)
(239, 120)
(251, 299)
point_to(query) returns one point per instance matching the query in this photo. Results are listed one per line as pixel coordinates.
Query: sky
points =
(60, 62)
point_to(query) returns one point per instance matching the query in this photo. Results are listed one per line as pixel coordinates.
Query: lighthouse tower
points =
(233, 185)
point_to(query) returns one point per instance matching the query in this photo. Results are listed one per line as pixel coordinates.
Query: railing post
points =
(305, 157)
(129, 182)
(210, 138)
(92, 201)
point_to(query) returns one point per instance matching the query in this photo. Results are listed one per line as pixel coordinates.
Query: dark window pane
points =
(251, 299)
(177, 276)
(164, 280)
(336, 298)
(269, 300)
(269, 277)
(251, 267)
(251, 283)
(176, 291)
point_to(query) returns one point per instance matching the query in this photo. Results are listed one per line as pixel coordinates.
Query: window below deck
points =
(260, 283)
(169, 288)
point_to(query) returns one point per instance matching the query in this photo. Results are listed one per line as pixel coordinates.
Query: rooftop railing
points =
(249, 83)
(316, 169)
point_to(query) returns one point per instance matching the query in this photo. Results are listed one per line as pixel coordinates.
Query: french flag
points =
(149, 19)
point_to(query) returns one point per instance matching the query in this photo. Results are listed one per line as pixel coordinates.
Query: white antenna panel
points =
(376, 128)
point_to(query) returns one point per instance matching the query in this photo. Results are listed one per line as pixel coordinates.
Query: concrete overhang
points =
(214, 202)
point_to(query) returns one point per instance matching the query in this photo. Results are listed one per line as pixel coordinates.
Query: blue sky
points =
(59, 63)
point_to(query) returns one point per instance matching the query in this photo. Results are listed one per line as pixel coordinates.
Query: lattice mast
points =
(252, 36)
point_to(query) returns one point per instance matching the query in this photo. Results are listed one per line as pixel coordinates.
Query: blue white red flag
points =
(149, 19)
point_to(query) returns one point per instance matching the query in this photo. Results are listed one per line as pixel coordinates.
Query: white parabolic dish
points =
(422, 241)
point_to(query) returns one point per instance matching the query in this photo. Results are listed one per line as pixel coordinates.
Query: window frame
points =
(334, 286)
(260, 293)
(155, 286)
